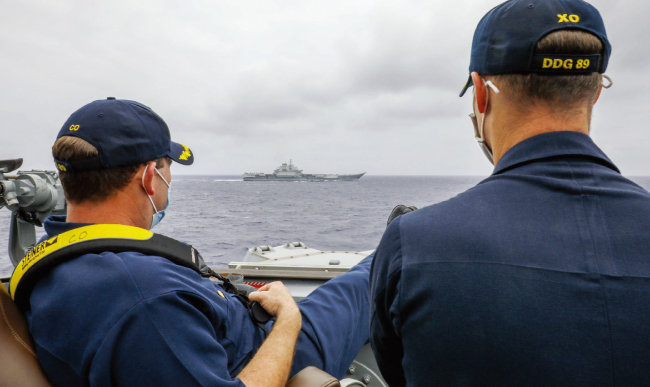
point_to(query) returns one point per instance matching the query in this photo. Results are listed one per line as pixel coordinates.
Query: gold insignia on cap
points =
(186, 153)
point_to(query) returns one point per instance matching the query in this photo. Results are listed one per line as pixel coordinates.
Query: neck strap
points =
(98, 238)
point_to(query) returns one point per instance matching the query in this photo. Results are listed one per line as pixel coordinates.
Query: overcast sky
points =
(339, 86)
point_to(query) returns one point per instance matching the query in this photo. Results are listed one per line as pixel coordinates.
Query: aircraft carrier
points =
(289, 172)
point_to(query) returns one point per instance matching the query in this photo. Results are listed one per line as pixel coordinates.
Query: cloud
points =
(334, 83)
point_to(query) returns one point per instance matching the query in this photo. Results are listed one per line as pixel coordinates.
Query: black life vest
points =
(98, 238)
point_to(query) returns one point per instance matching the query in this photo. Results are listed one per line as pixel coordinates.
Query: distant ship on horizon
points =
(289, 172)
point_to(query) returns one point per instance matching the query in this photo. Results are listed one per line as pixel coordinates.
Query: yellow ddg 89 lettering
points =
(583, 63)
(550, 63)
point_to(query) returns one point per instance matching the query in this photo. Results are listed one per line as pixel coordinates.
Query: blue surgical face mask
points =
(158, 215)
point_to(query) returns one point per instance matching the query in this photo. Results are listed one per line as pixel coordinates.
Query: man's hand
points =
(399, 209)
(271, 364)
(276, 299)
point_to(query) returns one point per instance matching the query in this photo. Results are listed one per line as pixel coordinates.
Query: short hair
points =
(556, 90)
(91, 185)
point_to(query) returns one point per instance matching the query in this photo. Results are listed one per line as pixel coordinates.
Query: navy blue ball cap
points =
(505, 39)
(124, 133)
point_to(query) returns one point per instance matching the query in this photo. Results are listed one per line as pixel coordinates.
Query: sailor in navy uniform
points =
(131, 318)
(540, 274)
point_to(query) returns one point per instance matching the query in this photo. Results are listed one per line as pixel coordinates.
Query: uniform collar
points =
(56, 224)
(552, 144)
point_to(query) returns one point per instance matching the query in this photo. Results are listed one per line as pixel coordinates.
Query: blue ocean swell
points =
(222, 216)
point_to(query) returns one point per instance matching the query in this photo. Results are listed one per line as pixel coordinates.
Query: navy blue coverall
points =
(539, 275)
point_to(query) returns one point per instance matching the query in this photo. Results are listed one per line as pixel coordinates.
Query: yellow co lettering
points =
(566, 18)
(74, 128)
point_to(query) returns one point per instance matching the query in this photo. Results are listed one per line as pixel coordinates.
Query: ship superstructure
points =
(290, 172)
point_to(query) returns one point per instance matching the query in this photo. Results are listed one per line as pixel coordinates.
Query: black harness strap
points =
(96, 239)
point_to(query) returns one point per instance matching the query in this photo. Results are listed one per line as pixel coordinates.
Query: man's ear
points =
(148, 177)
(600, 88)
(479, 92)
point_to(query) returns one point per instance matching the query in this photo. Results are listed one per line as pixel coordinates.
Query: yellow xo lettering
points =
(566, 18)
(74, 128)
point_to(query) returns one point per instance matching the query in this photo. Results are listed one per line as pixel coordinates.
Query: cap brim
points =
(468, 84)
(180, 153)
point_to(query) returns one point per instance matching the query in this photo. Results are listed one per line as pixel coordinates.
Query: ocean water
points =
(223, 216)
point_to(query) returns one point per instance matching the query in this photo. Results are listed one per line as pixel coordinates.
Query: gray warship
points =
(290, 172)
